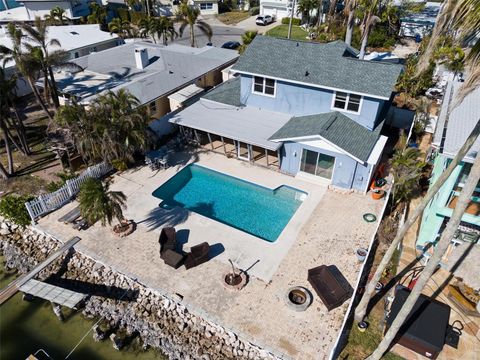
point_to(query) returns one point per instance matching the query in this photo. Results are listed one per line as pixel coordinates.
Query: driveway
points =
(221, 34)
(249, 24)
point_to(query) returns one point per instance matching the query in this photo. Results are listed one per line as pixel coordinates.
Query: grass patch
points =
(233, 17)
(281, 31)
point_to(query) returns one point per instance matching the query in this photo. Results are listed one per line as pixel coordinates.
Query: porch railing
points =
(46, 203)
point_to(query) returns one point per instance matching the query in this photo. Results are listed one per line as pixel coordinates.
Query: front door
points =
(243, 151)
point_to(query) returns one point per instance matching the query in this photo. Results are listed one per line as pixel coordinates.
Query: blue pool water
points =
(252, 208)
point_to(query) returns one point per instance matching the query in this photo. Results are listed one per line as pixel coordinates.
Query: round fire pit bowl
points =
(298, 298)
(234, 283)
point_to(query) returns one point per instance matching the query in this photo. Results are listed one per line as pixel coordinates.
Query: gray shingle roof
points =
(226, 93)
(332, 65)
(336, 128)
(170, 68)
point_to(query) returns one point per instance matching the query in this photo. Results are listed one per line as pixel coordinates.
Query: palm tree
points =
(98, 14)
(149, 26)
(361, 309)
(97, 202)
(111, 128)
(247, 38)
(167, 29)
(305, 8)
(350, 7)
(57, 16)
(188, 16)
(369, 21)
(36, 37)
(447, 235)
(27, 64)
(461, 17)
(407, 170)
(122, 28)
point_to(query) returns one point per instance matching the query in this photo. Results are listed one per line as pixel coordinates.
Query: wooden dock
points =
(11, 289)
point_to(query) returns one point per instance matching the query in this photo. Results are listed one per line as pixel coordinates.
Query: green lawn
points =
(233, 17)
(281, 31)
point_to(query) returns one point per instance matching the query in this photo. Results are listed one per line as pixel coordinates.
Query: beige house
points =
(164, 78)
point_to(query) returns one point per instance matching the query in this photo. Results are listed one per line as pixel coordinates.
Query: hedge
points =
(13, 207)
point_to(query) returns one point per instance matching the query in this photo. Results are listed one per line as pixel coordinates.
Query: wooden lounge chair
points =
(71, 216)
(330, 285)
(198, 255)
(172, 258)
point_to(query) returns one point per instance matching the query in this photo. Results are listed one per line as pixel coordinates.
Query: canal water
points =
(26, 327)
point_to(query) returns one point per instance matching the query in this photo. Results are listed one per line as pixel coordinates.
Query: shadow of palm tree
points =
(165, 217)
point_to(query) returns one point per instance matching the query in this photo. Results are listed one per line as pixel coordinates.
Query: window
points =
(318, 164)
(263, 86)
(347, 102)
(206, 6)
(76, 54)
(153, 107)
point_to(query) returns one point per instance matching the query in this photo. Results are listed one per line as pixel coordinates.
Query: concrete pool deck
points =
(326, 229)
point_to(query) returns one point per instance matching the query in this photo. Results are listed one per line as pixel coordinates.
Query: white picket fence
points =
(45, 203)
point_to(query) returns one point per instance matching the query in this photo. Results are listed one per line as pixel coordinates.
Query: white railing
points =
(45, 203)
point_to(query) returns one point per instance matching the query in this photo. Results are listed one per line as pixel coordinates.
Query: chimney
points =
(141, 58)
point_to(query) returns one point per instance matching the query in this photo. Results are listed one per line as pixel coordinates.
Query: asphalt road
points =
(221, 34)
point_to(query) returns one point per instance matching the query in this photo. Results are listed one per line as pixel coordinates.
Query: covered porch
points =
(236, 132)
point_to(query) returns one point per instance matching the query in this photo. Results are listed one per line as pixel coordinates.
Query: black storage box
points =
(425, 328)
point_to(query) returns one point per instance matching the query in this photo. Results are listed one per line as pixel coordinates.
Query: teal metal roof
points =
(332, 65)
(226, 93)
(334, 127)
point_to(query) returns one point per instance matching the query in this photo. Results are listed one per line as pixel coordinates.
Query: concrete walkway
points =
(327, 229)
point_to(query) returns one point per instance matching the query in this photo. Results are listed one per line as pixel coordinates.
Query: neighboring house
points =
(78, 40)
(420, 24)
(279, 9)
(151, 72)
(454, 126)
(207, 7)
(74, 9)
(306, 109)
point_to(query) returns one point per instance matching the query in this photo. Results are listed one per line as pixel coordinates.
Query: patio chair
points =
(330, 285)
(167, 240)
(198, 255)
(172, 258)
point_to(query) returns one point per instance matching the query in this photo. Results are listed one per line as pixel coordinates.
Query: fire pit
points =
(298, 298)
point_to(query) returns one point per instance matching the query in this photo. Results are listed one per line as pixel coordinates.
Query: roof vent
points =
(307, 73)
(74, 33)
(141, 58)
(297, 44)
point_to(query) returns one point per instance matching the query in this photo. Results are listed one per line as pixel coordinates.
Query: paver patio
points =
(326, 229)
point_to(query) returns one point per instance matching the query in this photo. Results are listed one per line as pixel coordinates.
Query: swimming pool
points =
(254, 209)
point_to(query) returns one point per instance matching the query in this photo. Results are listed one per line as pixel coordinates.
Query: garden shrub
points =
(379, 38)
(136, 16)
(13, 208)
(295, 21)
(119, 164)
(254, 10)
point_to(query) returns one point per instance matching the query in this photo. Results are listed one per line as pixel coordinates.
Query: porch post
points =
(279, 159)
(196, 136)
(266, 155)
(210, 139)
(224, 148)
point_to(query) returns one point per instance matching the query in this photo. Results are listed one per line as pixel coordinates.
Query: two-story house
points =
(307, 109)
(455, 122)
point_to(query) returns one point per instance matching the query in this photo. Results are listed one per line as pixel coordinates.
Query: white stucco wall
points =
(213, 11)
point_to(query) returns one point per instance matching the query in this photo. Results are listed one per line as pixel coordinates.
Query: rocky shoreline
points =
(161, 322)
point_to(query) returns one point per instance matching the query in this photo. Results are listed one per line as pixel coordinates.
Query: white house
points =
(207, 7)
(78, 40)
(277, 8)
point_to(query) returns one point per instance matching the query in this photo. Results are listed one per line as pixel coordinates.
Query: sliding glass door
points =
(317, 164)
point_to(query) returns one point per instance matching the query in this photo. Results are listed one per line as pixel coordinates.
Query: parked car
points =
(232, 45)
(264, 20)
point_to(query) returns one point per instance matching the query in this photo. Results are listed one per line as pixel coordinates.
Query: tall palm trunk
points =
(350, 24)
(8, 150)
(192, 36)
(20, 127)
(14, 141)
(3, 172)
(53, 87)
(39, 98)
(447, 235)
(320, 13)
(361, 309)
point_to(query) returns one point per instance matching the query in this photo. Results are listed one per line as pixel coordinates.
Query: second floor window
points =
(264, 86)
(153, 107)
(206, 6)
(347, 102)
